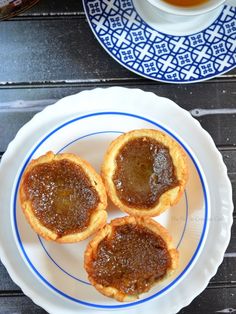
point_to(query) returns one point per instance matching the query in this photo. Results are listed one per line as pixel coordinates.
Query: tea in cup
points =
(186, 7)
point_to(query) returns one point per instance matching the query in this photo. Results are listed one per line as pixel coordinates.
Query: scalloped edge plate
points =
(152, 106)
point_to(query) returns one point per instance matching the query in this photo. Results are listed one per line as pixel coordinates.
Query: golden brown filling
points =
(186, 3)
(144, 171)
(132, 260)
(61, 195)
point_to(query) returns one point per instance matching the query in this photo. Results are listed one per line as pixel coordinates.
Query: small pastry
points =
(128, 256)
(63, 198)
(145, 172)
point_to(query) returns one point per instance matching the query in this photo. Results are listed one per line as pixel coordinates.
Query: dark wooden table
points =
(49, 52)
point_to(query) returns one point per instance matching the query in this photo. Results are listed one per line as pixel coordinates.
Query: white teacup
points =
(205, 7)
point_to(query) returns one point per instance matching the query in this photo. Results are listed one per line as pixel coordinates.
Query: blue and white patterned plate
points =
(159, 56)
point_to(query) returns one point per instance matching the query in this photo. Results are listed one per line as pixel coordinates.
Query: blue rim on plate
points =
(41, 240)
(21, 245)
(158, 56)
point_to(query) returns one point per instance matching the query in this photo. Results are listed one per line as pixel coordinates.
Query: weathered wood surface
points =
(49, 52)
(213, 103)
(215, 300)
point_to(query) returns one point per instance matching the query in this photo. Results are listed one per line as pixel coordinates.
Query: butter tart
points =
(145, 172)
(63, 198)
(128, 256)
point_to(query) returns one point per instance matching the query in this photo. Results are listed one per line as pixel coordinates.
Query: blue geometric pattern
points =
(158, 56)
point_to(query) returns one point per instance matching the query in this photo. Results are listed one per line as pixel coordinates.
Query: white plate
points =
(85, 123)
(60, 267)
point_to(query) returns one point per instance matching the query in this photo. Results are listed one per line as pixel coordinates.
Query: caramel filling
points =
(144, 171)
(61, 195)
(132, 260)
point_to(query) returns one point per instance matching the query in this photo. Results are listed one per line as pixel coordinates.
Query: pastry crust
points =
(168, 198)
(98, 217)
(107, 230)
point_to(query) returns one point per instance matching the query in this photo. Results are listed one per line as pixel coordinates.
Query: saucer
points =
(195, 50)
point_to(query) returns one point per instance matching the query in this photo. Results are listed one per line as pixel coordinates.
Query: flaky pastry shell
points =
(98, 217)
(107, 231)
(168, 198)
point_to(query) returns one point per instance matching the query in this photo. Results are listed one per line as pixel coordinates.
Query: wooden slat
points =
(226, 273)
(76, 52)
(232, 245)
(191, 97)
(229, 157)
(54, 7)
(61, 47)
(9, 125)
(218, 300)
(11, 122)
(19, 305)
(233, 182)
(6, 283)
(207, 302)
(212, 94)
